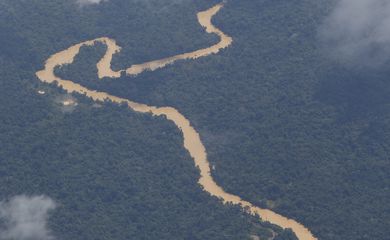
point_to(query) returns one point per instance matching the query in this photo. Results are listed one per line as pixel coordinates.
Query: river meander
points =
(192, 141)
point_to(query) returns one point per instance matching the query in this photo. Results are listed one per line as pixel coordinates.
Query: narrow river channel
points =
(192, 141)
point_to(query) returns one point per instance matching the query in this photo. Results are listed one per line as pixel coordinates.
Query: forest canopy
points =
(286, 126)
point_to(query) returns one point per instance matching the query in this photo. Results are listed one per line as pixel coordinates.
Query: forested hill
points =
(112, 173)
(286, 126)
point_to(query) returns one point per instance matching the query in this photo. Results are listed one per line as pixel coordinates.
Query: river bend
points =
(192, 141)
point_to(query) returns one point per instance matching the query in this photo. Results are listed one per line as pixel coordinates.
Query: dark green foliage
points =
(285, 127)
(141, 26)
(113, 173)
(286, 235)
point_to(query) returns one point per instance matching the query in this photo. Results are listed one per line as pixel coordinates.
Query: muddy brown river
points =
(192, 141)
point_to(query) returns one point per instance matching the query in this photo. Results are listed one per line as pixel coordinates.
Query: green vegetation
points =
(113, 173)
(285, 127)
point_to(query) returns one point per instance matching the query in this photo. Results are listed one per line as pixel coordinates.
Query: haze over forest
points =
(207, 119)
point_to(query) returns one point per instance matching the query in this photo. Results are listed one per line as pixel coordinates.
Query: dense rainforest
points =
(285, 126)
(113, 173)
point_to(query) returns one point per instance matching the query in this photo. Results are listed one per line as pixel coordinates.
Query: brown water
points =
(192, 141)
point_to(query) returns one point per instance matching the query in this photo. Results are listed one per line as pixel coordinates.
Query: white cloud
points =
(25, 218)
(358, 32)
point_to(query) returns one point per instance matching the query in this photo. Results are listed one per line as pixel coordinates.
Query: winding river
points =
(192, 141)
